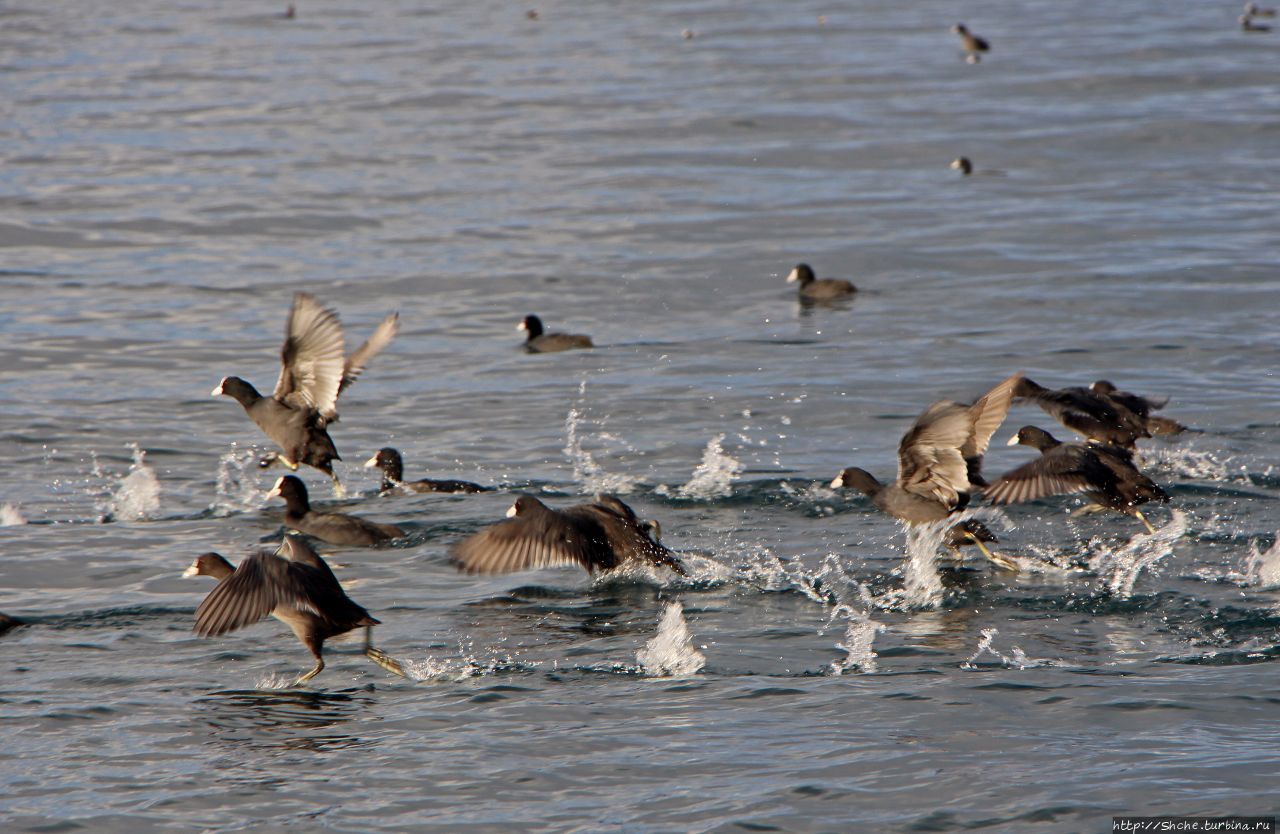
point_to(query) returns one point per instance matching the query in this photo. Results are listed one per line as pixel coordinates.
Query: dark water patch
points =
(768, 692)
(1141, 705)
(1227, 657)
(1014, 686)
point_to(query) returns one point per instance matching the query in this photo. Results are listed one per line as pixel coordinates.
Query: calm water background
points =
(170, 173)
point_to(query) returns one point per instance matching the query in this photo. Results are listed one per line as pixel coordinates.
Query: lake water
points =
(171, 173)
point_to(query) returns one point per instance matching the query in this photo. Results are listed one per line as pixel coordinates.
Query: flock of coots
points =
(939, 475)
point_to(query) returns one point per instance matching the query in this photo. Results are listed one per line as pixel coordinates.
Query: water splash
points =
(922, 586)
(860, 630)
(1015, 659)
(1187, 464)
(586, 470)
(237, 489)
(1263, 567)
(1141, 553)
(137, 496)
(670, 653)
(714, 477)
(274, 682)
(11, 516)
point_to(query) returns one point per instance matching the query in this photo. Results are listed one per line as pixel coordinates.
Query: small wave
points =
(137, 496)
(274, 682)
(11, 516)
(670, 652)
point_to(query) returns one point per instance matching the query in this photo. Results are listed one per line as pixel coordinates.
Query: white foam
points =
(670, 653)
(1123, 567)
(11, 516)
(138, 494)
(714, 477)
(1263, 568)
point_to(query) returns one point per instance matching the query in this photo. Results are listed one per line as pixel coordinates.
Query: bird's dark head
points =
(523, 506)
(531, 325)
(209, 564)
(290, 488)
(386, 458)
(859, 479)
(963, 165)
(802, 274)
(1102, 386)
(236, 388)
(960, 29)
(1034, 437)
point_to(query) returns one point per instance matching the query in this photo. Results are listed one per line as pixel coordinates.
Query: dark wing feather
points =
(1063, 469)
(542, 538)
(258, 585)
(311, 360)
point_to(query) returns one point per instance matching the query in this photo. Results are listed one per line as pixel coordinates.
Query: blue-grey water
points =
(171, 173)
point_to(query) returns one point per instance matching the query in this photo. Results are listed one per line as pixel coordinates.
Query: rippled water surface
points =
(171, 173)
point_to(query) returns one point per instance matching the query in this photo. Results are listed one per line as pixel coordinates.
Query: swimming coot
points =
(295, 586)
(536, 341)
(389, 461)
(599, 536)
(334, 528)
(813, 288)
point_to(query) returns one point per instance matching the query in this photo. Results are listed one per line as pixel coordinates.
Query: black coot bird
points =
(939, 465)
(813, 288)
(389, 461)
(1141, 406)
(973, 44)
(599, 536)
(295, 586)
(1105, 474)
(1097, 417)
(536, 341)
(334, 528)
(315, 370)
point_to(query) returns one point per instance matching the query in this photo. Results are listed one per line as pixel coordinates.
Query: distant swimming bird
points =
(1141, 406)
(939, 466)
(1098, 417)
(290, 12)
(963, 165)
(532, 14)
(814, 289)
(1252, 10)
(8, 623)
(972, 43)
(537, 341)
(314, 372)
(1247, 25)
(334, 528)
(295, 586)
(599, 536)
(1105, 474)
(389, 461)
